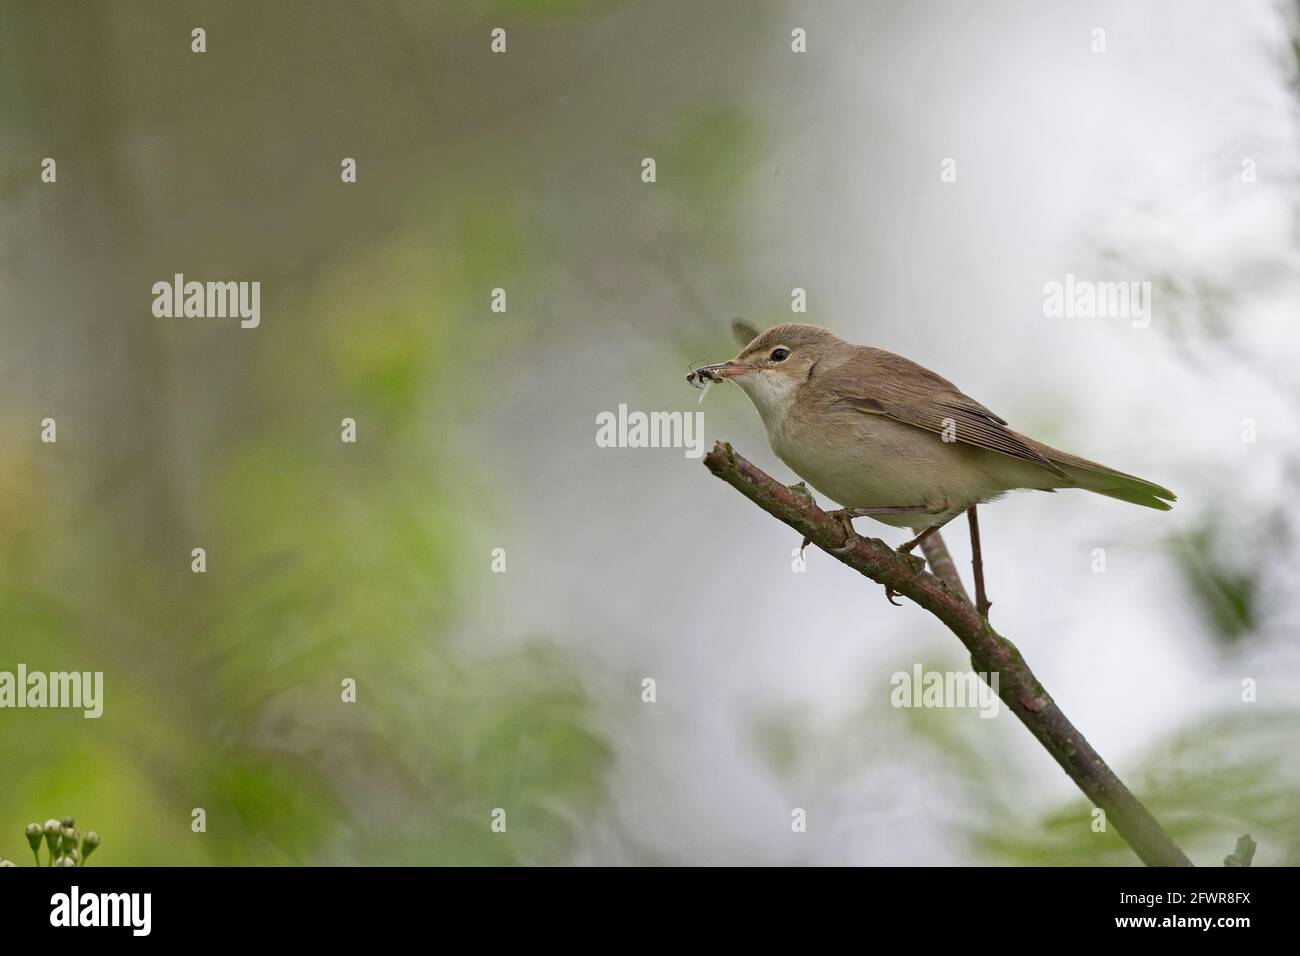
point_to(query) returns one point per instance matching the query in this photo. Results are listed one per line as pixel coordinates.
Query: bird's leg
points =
(846, 516)
(982, 603)
(850, 535)
(907, 547)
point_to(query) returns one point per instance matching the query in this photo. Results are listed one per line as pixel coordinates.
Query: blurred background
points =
(522, 690)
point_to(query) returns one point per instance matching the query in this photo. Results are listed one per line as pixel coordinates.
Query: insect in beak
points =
(712, 373)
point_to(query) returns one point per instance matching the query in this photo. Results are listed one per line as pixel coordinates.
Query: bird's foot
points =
(800, 489)
(915, 560)
(845, 516)
(918, 565)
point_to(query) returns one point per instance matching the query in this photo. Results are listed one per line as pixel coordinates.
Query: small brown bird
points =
(891, 440)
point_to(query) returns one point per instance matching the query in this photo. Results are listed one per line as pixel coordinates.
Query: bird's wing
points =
(881, 383)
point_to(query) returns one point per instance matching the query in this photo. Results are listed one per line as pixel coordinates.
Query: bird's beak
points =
(719, 372)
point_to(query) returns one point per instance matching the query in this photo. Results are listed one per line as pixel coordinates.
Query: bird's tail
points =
(1107, 481)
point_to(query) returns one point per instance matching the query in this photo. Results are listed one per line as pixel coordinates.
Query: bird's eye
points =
(780, 355)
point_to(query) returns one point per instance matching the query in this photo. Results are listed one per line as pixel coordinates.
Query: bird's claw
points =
(850, 536)
(918, 565)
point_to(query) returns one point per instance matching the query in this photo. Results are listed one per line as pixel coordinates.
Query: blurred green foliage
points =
(325, 560)
(712, 156)
(1231, 774)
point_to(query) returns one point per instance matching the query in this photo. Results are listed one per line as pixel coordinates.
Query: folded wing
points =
(900, 389)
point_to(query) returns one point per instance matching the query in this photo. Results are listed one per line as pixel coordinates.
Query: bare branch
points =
(990, 652)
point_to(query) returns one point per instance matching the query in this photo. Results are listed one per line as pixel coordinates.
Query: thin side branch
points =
(1243, 855)
(989, 651)
(942, 565)
(977, 562)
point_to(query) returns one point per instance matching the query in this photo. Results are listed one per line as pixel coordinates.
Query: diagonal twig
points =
(982, 602)
(1243, 854)
(941, 564)
(990, 652)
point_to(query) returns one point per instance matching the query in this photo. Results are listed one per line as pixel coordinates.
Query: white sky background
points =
(644, 565)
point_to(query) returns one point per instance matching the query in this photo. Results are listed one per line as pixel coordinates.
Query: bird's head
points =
(773, 364)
